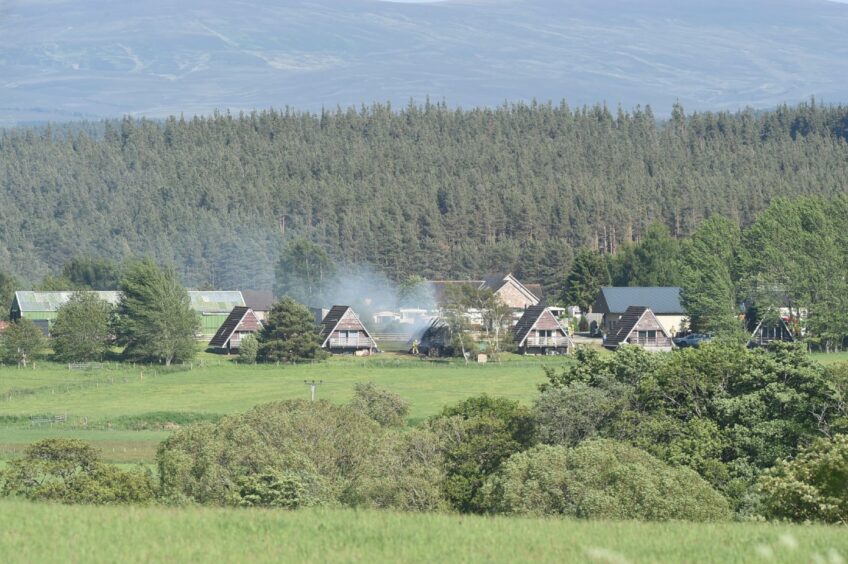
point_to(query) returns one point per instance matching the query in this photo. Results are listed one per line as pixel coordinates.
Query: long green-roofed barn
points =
(213, 307)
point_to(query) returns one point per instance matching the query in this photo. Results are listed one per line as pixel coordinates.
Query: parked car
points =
(691, 340)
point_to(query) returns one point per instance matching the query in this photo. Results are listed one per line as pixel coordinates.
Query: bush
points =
(516, 417)
(70, 471)
(812, 487)
(272, 490)
(297, 453)
(248, 349)
(385, 407)
(601, 479)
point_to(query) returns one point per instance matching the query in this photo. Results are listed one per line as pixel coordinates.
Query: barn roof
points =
(202, 301)
(215, 301)
(52, 301)
(662, 300)
(225, 331)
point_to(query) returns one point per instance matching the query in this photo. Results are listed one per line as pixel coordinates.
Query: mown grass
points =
(52, 533)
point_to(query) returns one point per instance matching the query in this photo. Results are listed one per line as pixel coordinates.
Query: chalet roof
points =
(225, 331)
(332, 320)
(493, 282)
(529, 320)
(662, 300)
(626, 324)
(201, 301)
(258, 300)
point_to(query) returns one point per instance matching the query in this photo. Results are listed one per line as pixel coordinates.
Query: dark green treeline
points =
(426, 190)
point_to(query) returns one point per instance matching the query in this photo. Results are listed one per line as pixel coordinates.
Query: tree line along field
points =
(56, 533)
(127, 409)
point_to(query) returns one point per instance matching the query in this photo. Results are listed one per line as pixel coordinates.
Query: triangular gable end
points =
(510, 279)
(347, 316)
(647, 312)
(546, 313)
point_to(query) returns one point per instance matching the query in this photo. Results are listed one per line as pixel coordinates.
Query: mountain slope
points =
(62, 59)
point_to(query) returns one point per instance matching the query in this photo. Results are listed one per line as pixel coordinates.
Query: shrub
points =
(297, 453)
(601, 479)
(385, 407)
(571, 414)
(812, 487)
(272, 490)
(516, 417)
(70, 471)
(248, 349)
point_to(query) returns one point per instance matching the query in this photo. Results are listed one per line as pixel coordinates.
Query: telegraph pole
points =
(313, 385)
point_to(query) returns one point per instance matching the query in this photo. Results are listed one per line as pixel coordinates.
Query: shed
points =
(539, 332)
(241, 322)
(342, 331)
(639, 326)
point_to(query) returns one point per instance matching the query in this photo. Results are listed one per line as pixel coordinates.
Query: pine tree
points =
(588, 275)
(155, 319)
(289, 334)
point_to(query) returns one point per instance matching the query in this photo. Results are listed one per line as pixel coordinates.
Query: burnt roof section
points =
(332, 319)
(258, 300)
(625, 325)
(662, 300)
(225, 331)
(526, 323)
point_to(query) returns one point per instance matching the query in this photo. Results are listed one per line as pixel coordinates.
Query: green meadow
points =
(53, 533)
(127, 410)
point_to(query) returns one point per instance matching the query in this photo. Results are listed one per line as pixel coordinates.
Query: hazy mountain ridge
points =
(99, 58)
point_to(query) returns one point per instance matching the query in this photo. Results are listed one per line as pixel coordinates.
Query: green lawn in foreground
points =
(55, 533)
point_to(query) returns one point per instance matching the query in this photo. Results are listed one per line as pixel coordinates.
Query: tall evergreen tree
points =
(588, 275)
(710, 270)
(155, 319)
(289, 334)
(303, 271)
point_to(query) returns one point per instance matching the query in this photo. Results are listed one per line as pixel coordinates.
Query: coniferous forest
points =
(426, 190)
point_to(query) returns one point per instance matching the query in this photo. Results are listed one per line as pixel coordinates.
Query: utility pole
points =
(313, 385)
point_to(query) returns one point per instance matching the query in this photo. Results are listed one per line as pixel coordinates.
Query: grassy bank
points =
(51, 533)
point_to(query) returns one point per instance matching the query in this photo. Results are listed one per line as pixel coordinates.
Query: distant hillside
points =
(72, 59)
(427, 190)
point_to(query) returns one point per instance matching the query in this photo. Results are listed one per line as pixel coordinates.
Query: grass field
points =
(52, 533)
(99, 402)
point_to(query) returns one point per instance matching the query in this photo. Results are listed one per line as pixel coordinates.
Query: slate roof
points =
(625, 325)
(662, 300)
(258, 300)
(225, 331)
